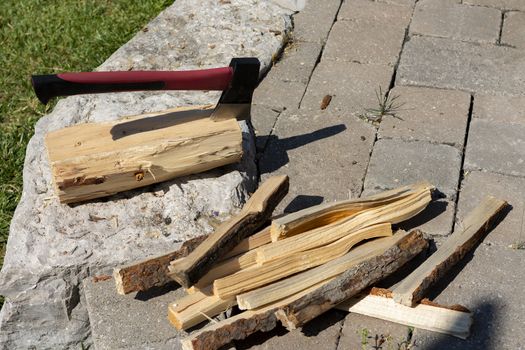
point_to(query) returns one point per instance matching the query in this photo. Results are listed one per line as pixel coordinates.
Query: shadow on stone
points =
(302, 202)
(433, 210)
(156, 291)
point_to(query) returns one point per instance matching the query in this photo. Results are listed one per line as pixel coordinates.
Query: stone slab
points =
(325, 154)
(368, 333)
(277, 94)
(314, 23)
(476, 185)
(376, 12)
(500, 4)
(513, 29)
(490, 285)
(365, 42)
(459, 22)
(353, 86)
(497, 147)
(263, 121)
(424, 114)
(449, 64)
(298, 62)
(505, 109)
(395, 163)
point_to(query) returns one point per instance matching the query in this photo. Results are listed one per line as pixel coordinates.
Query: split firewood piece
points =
(296, 283)
(99, 159)
(473, 229)
(454, 320)
(324, 214)
(255, 213)
(152, 272)
(394, 212)
(260, 238)
(274, 270)
(191, 299)
(351, 282)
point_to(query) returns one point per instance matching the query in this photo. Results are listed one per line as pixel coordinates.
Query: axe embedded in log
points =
(236, 81)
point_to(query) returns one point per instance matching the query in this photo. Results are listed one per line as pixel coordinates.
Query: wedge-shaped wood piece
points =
(274, 270)
(394, 212)
(454, 320)
(351, 282)
(324, 214)
(253, 215)
(260, 238)
(99, 159)
(472, 230)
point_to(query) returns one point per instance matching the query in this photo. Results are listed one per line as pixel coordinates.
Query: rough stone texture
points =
(277, 94)
(376, 12)
(365, 42)
(450, 64)
(477, 185)
(501, 4)
(423, 114)
(52, 247)
(395, 163)
(263, 121)
(352, 86)
(321, 333)
(503, 154)
(506, 109)
(298, 62)
(490, 285)
(360, 332)
(314, 23)
(466, 23)
(513, 28)
(113, 317)
(325, 154)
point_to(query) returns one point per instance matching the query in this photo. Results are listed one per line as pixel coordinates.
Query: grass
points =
(387, 105)
(44, 37)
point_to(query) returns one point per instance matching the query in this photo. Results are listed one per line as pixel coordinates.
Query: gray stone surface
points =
(367, 333)
(423, 114)
(490, 285)
(314, 23)
(501, 4)
(297, 62)
(263, 121)
(476, 185)
(395, 163)
(436, 220)
(496, 146)
(277, 94)
(460, 22)
(325, 154)
(352, 86)
(505, 109)
(52, 247)
(450, 64)
(513, 29)
(376, 12)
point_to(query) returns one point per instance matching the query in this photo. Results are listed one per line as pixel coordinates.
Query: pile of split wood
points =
(308, 262)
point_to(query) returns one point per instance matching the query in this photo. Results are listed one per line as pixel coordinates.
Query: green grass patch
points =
(44, 37)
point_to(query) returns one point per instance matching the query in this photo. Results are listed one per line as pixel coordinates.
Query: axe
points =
(237, 82)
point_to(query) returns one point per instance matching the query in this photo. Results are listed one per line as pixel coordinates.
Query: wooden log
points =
(274, 270)
(94, 160)
(453, 320)
(351, 282)
(394, 212)
(151, 272)
(473, 229)
(327, 213)
(194, 313)
(255, 213)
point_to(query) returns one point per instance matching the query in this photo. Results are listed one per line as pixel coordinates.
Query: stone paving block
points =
(376, 12)
(513, 29)
(398, 2)
(433, 115)
(320, 333)
(506, 109)
(314, 23)
(352, 86)
(490, 284)
(277, 94)
(500, 4)
(130, 321)
(365, 42)
(395, 163)
(497, 147)
(466, 23)
(325, 154)
(476, 185)
(449, 64)
(298, 62)
(360, 332)
(263, 120)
